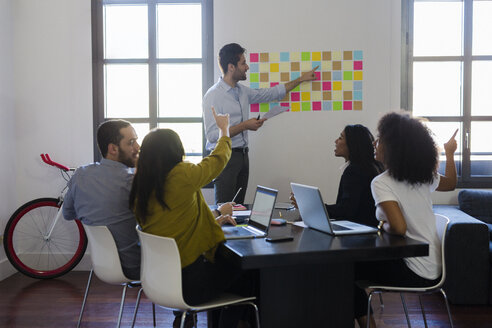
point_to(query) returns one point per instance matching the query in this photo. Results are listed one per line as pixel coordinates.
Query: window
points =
(447, 78)
(152, 65)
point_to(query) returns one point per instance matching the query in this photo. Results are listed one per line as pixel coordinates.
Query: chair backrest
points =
(442, 227)
(104, 255)
(160, 271)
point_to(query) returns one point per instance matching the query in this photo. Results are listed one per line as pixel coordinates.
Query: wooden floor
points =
(26, 302)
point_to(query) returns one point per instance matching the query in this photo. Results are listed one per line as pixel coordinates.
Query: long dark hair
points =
(409, 151)
(160, 152)
(361, 149)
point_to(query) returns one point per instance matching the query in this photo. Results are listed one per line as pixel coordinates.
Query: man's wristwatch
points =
(380, 225)
(218, 212)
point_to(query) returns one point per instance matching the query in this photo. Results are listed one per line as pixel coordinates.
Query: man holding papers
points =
(227, 96)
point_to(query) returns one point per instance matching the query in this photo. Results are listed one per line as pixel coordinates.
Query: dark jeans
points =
(234, 176)
(387, 273)
(203, 281)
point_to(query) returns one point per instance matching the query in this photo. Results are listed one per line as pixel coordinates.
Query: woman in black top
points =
(354, 200)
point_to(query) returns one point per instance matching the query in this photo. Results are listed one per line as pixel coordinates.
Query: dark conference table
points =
(308, 282)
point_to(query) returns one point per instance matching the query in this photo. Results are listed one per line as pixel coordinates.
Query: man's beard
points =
(128, 161)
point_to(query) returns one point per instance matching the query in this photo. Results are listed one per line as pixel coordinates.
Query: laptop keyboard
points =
(337, 227)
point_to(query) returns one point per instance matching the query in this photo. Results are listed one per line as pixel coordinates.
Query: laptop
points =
(314, 214)
(260, 218)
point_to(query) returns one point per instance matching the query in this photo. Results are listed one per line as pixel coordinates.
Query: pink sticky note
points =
(318, 75)
(284, 104)
(253, 57)
(273, 84)
(295, 96)
(316, 105)
(255, 108)
(347, 105)
(326, 85)
(357, 65)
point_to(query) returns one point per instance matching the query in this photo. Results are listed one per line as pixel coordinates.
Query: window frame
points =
(98, 62)
(466, 119)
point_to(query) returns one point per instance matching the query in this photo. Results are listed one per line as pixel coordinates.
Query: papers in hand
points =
(274, 111)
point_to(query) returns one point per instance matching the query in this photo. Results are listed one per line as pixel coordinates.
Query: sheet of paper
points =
(300, 224)
(274, 111)
(241, 213)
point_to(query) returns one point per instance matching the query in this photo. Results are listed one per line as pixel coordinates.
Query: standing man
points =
(98, 193)
(230, 97)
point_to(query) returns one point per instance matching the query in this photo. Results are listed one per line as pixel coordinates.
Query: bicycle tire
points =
(31, 253)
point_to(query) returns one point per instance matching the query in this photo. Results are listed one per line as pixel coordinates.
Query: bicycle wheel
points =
(32, 252)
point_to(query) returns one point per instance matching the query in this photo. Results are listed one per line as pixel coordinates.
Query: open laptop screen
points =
(263, 205)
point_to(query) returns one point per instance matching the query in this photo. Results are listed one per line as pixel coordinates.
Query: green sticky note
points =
(337, 105)
(306, 106)
(306, 56)
(347, 76)
(254, 77)
(298, 88)
(265, 107)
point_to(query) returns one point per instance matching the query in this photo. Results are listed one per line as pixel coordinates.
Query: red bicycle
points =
(38, 241)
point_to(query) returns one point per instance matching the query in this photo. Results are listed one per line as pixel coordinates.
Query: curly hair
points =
(409, 151)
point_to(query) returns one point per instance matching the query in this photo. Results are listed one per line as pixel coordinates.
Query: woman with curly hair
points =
(402, 194)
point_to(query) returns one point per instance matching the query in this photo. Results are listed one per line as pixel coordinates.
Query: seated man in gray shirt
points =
(98, 192)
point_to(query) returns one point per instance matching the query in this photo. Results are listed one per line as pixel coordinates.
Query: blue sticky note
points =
(273, 104)
(357, 95)
(336, 76)
(254, 68)
(316, 63)
(254, 85)
(327, 105)
(357, 85)
(357, 55)
(294, 75)
(284, 56)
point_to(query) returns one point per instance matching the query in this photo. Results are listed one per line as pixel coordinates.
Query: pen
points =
(258, 117)
(237, 193)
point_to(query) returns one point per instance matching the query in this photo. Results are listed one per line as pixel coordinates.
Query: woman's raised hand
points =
(222, 122)
(451, 146)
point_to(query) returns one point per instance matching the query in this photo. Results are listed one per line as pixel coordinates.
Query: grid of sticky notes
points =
(338, 86)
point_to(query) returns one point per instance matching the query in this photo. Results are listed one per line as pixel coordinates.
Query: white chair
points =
(105, 264)
(160, 274)
(441, 225)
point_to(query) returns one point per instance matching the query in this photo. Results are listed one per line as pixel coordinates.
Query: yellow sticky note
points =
(295, 107)
(284, 67)
(274, 56)
(305, 96)
(306, 86)
(358, 75)
(274, 67)
(347, 85)
(316, 96)
(295, 56)
(264, 85)
(306, 66)
(326, 65)
(275, 77)
(337, 85)
(316, 56)
(264, 67)
(348, 65)
(336, 55)
(336, 95)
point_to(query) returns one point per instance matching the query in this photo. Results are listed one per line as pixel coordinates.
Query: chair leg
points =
(405, 308)
(447, 307)
(121, 305)
(422, 310)
(381, 300)
(85, 298)
(153, 314)
(183, 318)
(369, 309)
(136, 307)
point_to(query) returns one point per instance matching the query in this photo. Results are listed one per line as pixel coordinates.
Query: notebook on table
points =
(260, 218)
(314, 214)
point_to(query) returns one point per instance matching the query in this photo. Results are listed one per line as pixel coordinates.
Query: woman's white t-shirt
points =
(416, 206)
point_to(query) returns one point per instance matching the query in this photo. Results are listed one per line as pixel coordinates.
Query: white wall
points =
(46, 80)
(299, 146)
(7, 119)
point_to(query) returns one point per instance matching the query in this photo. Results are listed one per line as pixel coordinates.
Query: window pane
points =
(481, 87)
(127, 90)
(180, 90)
(437, 88)
(141, 129)
(437, 28)
(126, 31)
(442, 132)
(179, 31)
(481, 149)
(482, 27)
(190, 135)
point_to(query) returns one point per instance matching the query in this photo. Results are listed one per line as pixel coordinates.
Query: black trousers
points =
(234, 176)
(388, 273)
(203, 281)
